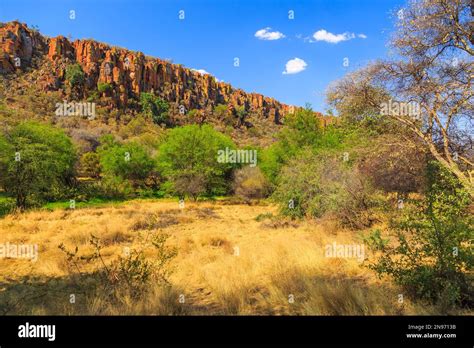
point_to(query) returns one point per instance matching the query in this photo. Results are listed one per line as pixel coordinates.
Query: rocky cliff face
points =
(128, 73)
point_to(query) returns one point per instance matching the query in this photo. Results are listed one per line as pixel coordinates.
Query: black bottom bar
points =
(221, 330)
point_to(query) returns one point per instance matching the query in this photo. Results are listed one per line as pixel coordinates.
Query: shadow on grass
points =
(86, 295)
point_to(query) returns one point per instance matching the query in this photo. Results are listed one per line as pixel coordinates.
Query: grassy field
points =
(231, 259)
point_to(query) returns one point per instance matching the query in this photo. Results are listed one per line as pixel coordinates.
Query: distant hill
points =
(42, 62)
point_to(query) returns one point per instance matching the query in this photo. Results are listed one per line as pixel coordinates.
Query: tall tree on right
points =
(434, 69)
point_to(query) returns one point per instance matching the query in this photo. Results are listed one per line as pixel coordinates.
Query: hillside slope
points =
(129, 73)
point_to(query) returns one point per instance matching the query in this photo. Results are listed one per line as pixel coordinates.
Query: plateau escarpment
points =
(126, 73)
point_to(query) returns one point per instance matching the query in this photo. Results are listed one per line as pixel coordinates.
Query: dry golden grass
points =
(227, 263)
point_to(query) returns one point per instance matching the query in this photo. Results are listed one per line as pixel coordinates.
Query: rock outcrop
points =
(128, 73)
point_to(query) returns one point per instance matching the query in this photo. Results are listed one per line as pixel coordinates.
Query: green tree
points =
(90, 164)
(432, 254)
(103, 87)
(154, 107)
(75, 78)
(301, 130)
(241, 115)
(316, 184)
(221, 112)
(37, 162)
(188, 159)
(129, 161)
(74, 75)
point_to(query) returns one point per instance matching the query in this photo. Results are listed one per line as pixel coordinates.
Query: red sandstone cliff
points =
(129, 73)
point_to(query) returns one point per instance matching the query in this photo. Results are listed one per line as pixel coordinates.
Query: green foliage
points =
(221, 111)
(270, 162)
(104, 87)
(301, 190)
(112, 187)
(75, 75)
(129, 161)
(7, 205)
(302, 129)
(433, 253)
(241, 114)
(143, 131)
(314, 185)
(154, 107)
(188, 158)
(37, 163)
(302, 132)
(90, 164)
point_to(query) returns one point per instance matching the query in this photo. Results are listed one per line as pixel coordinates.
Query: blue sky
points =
(215, 32)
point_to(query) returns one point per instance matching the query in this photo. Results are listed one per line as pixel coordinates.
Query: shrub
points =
(395, 165)
(305, 189)
(127, 275)
(90, 165)
(7, 205)
(37, 162)
(112, 187)
(241, 115)
(193, 185)
(154, 107)
(357, 203)
(188, 159)
(250, 183)
(74, 75)
(221, 113)
(301, 130)
(129, 161)
(313, 185)
(195, 116)
(104, 87)
(432, 254)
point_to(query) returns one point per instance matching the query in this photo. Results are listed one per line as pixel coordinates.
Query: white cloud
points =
(267, 34)
(323, 35)
(294, 66)
(204, 72)
(201, 71)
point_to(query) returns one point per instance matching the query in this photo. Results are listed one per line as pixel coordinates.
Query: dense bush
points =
(395, 164)
(154, 107)
(301, 130)
(130, 161)
(90, 165)
(313, 185)
(432, 254)
(188, 159)
(103, 87)
(250, 183)
(6, 205)
(221, 113)
(74, 75)
(37, 163)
